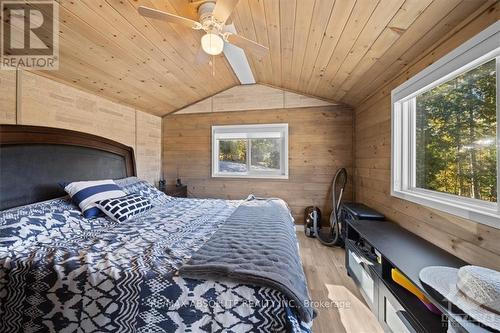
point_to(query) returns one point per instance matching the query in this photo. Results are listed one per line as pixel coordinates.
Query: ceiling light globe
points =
(212, 44)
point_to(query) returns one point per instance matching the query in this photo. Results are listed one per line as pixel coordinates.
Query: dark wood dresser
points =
(175, 191)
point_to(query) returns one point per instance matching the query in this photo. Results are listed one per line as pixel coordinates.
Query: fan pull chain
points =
(213, 66)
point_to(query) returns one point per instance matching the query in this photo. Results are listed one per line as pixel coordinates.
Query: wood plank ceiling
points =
(338, 50)
(342, 50)
(108, 48)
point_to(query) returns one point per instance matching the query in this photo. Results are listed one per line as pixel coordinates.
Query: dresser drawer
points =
(363, 277)
(359, 269)
(392, 315)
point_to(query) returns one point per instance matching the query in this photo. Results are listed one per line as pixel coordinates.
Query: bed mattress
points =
(61, 272)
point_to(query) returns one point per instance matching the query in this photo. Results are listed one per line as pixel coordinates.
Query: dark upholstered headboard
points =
(34, 160)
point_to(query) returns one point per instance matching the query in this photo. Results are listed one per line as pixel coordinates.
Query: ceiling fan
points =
(212, 19)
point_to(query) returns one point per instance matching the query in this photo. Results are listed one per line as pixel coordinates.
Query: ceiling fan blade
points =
(237, 59)
(160, 15)
(239, 63)
(223, 9)
(202, 57)
(248, 45)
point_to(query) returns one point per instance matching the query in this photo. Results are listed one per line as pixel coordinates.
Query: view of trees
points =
(456, 135)
(233, 155)
(265, 154)
(233, 151)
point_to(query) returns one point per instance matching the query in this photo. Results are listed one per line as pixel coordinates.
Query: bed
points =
(61, 272)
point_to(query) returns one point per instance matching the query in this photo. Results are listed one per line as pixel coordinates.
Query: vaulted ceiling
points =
(337, 50)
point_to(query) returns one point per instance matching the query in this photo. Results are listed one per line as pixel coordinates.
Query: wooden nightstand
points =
(176, 191)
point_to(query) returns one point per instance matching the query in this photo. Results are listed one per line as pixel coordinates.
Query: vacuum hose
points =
(333, 236)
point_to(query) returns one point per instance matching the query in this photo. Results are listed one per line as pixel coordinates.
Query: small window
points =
(445, 135)
(251, 151)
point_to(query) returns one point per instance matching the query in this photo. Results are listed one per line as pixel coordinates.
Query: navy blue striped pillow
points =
(85, 194)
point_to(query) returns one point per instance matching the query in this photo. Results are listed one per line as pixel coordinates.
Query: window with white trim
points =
(250, 151)
(445, 132)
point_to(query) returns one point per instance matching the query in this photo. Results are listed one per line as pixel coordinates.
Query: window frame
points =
(252, 129)
(478, 50)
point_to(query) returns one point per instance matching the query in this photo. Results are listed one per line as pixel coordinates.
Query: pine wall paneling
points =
(7, 97)
(44, 102)
(148, 146)
(49, 103)
(320, 141)
(473, 242)
(253, 97)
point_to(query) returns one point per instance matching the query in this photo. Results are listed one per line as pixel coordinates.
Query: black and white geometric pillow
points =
(123, 208)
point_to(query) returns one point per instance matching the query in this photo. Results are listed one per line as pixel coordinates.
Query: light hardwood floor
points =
(341, 307)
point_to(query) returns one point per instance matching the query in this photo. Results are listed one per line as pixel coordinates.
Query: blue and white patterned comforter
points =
(60, 272)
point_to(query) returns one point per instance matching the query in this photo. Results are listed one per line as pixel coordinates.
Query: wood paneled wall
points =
(475, 243)
(36, 100)
(148, 146)
(320, 141)
(253, 97)
(7, 97)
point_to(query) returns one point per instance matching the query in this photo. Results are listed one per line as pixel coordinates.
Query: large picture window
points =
(445, 132)
(251, 151)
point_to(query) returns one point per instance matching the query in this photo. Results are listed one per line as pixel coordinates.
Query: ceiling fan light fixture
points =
(212, 44)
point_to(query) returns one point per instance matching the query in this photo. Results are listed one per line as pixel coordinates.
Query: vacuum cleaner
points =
(331, 236)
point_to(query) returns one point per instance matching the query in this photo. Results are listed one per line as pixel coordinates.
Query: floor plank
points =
(338, 301)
